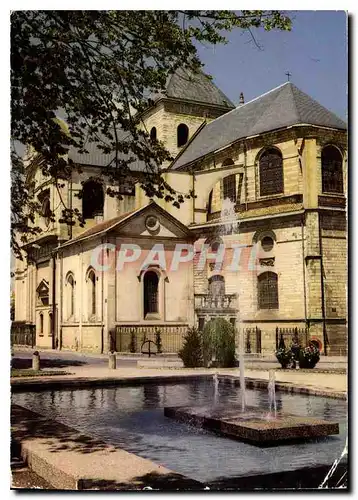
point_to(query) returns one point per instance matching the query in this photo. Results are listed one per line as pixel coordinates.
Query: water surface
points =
(132, 418)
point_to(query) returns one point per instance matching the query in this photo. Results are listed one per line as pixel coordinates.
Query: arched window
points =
(216, 285)
(91, 292)
(92, 199)
(50, 324)
(332, 174)
(46, 210)
(182, 134)
(267, 291)
(210, 202)
(151, 282)
(229, 188)
(153, 134)
(227, 162)
(41, 324)
(70, 295)
(271, 172)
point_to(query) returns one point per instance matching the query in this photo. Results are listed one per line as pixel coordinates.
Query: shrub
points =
(219, 342)
(158, 340)
(191, 353)
(133, 343)
(308, 357)
(284, 356)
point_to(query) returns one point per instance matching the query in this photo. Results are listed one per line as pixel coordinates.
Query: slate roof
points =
(187, 85)
(97, 158)
(283, 106)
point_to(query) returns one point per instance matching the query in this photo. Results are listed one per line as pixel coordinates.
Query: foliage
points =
(98, 70)
(219, 343)
(284, 356)
(158, 340)
(191, 353)
(309, 356)
(133, 342)
(281, 344)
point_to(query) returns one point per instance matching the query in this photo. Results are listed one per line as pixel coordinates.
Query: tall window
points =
(41, 324)
(46, 210)
(92, 199)
(229, 187)
(239, 187)
(267, 291)
(182, 134)
(332, 174)
(92, 292)
(210, 202)
(50, 324)
(70, 295)
(153, 134)
(151, 282)
(271, 172)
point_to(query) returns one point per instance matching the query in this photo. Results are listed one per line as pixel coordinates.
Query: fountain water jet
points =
(242, 372)
(272, 395)
(231, 226)
(216, 388)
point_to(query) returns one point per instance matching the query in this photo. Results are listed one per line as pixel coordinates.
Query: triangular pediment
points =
(43, 288)
(148, 221)
(152, 221)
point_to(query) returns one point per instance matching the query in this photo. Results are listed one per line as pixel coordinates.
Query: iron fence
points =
(130, 338)
(288, 336)
(23, 333)
(252, 340)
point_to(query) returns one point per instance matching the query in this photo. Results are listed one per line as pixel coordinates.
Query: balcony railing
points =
(206, 302)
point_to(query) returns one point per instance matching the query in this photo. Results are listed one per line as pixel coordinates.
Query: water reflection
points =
(151, 395)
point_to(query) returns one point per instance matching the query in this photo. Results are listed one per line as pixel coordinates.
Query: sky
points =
(314, 52)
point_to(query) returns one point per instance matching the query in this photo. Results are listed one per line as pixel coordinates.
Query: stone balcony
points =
(206, 303)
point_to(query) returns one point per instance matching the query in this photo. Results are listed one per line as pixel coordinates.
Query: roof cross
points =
(288, 74)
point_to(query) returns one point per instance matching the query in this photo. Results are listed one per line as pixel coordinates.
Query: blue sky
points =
(314, 51)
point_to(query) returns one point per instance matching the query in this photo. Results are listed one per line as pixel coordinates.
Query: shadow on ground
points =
(24, 363)
(153, 480)
(29, 425)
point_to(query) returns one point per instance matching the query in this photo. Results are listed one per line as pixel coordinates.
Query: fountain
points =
(242, 372)
(216, 388)
(231, 226)
(272, 395)
(241, 422)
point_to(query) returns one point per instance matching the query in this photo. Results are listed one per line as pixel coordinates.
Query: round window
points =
(152, 223)
(267, 243)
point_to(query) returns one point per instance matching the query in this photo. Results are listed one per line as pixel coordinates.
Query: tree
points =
(219, 342)
(100, 68)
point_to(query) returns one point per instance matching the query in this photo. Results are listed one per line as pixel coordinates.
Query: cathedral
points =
(263, 243)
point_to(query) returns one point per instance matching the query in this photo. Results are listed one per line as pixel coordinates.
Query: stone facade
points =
(306, 225)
